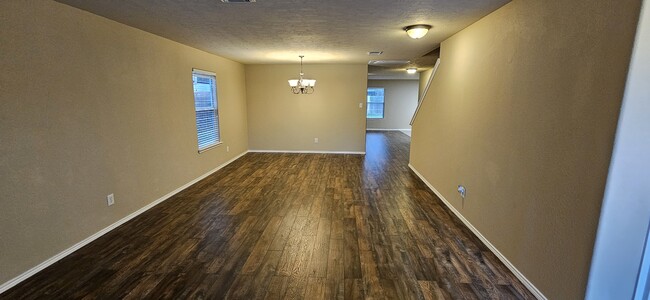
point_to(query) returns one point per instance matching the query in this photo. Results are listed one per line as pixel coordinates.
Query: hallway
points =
(294, 226)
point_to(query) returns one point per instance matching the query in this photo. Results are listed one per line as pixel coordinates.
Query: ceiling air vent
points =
(375, 52)
(237, 1)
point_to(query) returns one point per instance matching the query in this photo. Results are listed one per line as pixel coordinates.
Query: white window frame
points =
(216, 111)
(383, 104)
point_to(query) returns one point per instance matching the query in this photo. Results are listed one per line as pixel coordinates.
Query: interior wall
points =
(400, 101)
(424, 79)
(523, 111)
(625, 215)
(90, 107)
(281, 121)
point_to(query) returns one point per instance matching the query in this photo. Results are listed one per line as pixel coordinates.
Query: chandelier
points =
(302, 86)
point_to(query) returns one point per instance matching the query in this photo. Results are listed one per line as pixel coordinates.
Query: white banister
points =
(426, 89)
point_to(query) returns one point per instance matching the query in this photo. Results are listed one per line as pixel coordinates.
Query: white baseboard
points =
(29, 273)
(537, 293)
(379, 129)
(308, 152)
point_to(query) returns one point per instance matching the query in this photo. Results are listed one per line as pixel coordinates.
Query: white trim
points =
(215, 145)
(203, 72)
(378, 129)
(29, 273)
(537, 293)
(426, 90)
(308, 151)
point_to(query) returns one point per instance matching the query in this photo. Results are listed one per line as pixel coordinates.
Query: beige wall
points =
(424, 79)
(623, 227)
(280, 120)
(400, 101)
(90, 107)
(523, 112)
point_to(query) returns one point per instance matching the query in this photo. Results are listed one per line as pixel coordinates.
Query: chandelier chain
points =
(301, 85)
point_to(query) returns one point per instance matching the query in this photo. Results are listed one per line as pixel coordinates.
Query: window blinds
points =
(207, 113)
(375, 100)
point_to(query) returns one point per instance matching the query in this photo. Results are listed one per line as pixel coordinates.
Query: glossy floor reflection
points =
(289, 226)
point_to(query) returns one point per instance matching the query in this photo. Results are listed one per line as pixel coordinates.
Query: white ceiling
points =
(277, 31)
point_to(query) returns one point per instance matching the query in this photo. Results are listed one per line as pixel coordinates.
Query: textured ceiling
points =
(277, 31)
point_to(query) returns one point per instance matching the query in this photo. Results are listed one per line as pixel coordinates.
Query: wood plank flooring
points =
(289, 226)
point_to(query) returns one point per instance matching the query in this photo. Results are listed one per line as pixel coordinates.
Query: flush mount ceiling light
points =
(417, 31)
(301, 85)
(411, 70)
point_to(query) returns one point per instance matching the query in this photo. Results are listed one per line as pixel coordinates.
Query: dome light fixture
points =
(417, 31)
(411, 70)
(302, 85)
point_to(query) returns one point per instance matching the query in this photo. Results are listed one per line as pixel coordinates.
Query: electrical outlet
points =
(462, 191)
(227, 148)
(110, 199)
(360, 104)
(315, 140)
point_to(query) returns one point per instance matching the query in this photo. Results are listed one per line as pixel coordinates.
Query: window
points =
(375, 103)
(207, 112)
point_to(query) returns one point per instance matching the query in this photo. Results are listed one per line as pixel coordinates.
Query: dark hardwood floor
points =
(291, 226)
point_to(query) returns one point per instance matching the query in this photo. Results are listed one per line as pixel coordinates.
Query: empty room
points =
(305, 149)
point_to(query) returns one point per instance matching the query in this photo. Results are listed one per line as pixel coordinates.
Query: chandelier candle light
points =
(302, 86)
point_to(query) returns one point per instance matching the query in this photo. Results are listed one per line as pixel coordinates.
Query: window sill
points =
(210, 147)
